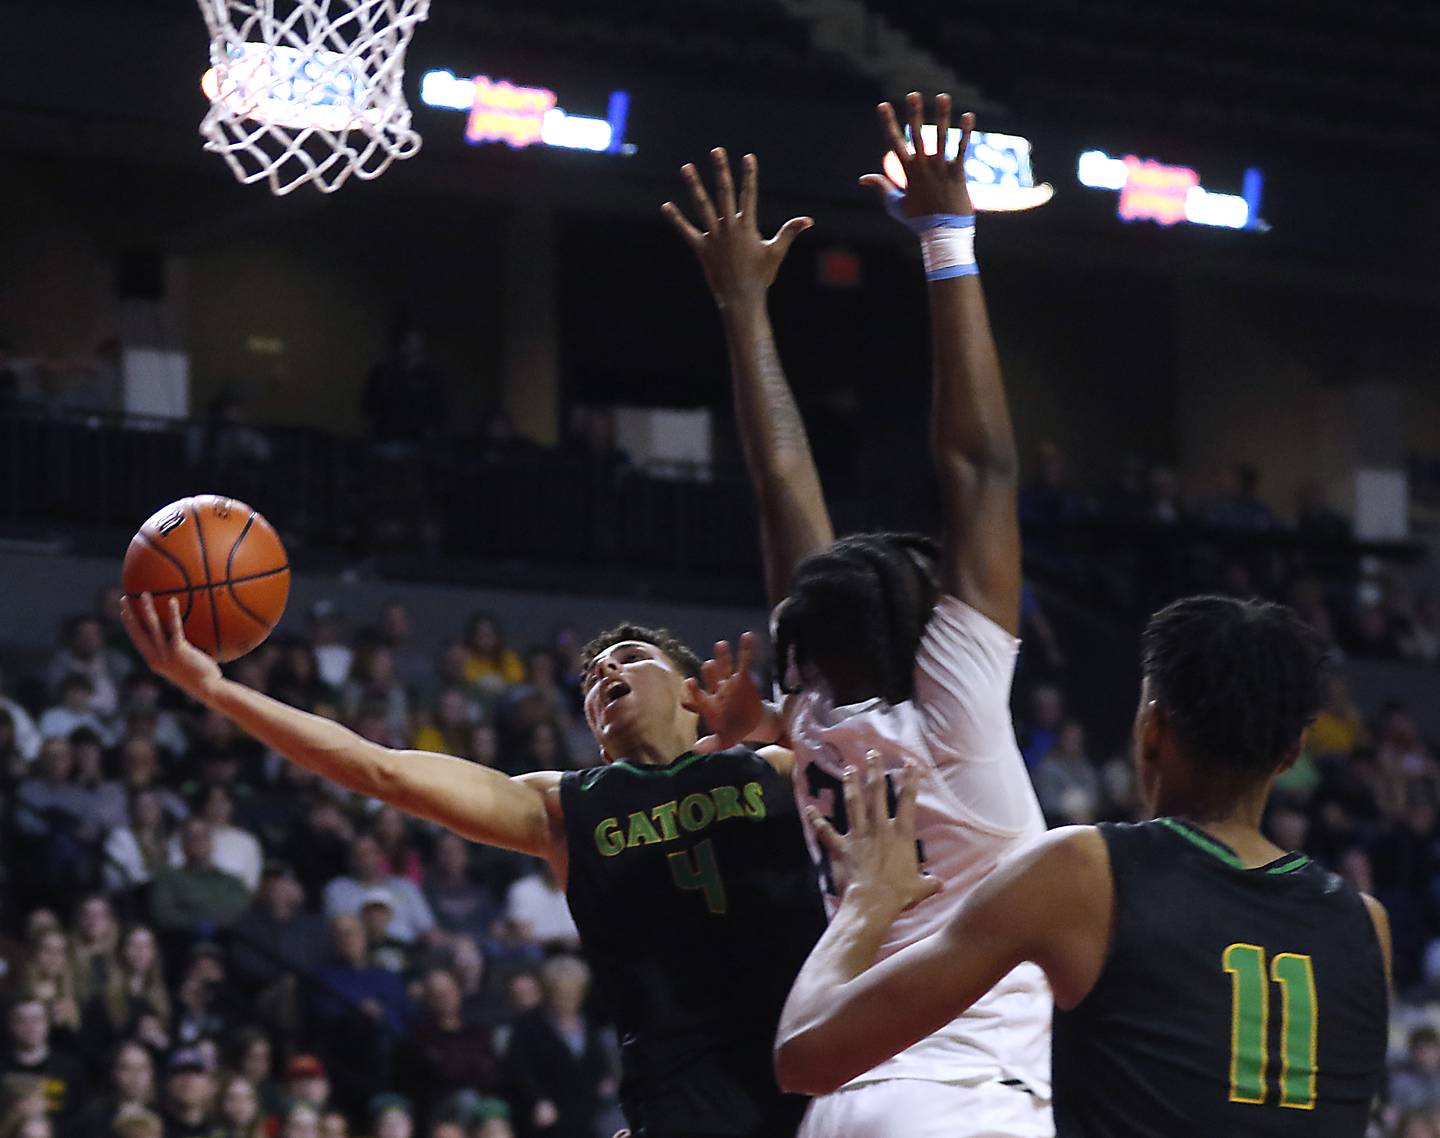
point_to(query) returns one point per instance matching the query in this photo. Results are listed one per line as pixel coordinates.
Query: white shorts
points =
(919, 1108)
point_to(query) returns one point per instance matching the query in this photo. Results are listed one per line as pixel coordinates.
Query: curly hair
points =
(1238, 680)
(661, 638)
(863, 605)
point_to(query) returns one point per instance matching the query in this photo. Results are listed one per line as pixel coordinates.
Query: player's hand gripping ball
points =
(222, 561)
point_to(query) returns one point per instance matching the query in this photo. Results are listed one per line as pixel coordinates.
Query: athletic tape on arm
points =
(947, 240)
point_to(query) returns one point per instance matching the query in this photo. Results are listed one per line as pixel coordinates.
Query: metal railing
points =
(328, 492)
(441, 508)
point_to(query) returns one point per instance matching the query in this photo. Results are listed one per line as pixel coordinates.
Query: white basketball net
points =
(309, 90)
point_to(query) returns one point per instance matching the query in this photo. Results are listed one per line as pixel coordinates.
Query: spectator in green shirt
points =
(196, 897)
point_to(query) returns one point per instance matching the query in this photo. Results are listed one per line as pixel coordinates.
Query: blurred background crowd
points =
(214, 937)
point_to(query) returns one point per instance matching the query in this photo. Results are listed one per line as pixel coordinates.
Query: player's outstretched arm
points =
(476, 802)
(970, 430)
(1052, 904)
(740, 266)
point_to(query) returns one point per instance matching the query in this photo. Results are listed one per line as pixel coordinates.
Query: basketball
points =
(222, 561)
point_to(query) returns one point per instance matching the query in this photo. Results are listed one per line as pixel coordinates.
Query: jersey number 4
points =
(1250, 1025)
(697, 869)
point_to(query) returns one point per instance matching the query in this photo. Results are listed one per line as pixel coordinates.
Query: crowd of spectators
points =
(1137, 541)
(203, 939)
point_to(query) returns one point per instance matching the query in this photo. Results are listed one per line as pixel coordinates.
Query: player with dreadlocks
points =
(895, 643)
(1207, 982)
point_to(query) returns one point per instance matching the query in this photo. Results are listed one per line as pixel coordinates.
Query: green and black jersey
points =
(1243, 1003)
(696, 902)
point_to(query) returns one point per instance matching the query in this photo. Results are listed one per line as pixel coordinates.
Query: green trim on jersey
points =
(688, 759)
(1287, 863)
(1204, 841)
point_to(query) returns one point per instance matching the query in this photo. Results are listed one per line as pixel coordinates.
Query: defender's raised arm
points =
(740, 267)
(970, 430)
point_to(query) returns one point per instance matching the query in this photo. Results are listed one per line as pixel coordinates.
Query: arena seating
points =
(1292, 72)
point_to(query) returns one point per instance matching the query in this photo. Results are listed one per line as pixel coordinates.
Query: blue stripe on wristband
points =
(953, 271)
(929, 221)
(926, 221)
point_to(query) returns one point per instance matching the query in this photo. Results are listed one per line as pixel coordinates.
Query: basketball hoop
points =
(308, 91)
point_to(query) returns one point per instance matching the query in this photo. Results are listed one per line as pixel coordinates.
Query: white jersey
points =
(975, 806)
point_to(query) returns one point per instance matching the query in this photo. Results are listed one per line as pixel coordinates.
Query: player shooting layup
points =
(888, 643)
(686, 872)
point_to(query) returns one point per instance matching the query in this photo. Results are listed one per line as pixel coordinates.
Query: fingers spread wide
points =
(942, 124)
(877, 789)
(682, 223)
(791, 230)
(855, 805)
(825, 833)
(747, 648)
(704, 207)
(724, 183)
(915, 111)
(891, 127)
(909, 791)
(750, 188)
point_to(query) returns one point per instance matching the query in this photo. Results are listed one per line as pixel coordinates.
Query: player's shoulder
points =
(1070, 852)
(955, 618)
(548, 784)
(1063, 865)
(1380, 919)
(544, 780)
(1378, 913)
(782, 759)
(962, 651)
(747, 761)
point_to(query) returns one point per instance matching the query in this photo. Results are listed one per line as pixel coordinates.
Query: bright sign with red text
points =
(1168, 195)
(501, 111)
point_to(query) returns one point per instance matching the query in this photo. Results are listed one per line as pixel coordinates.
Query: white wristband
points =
(949, 251)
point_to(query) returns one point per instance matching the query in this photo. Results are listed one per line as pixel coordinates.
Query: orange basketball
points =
(222, 561)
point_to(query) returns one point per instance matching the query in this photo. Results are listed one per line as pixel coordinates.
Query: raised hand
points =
(876, 857)
(739, 264)
(934, 184)
(728, 701)
(163, 646)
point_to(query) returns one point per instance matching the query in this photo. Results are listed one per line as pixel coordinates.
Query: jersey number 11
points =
(1250, 1025)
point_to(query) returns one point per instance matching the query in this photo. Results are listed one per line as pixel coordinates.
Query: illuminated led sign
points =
(1167, 195)
(501, 111)
(997, 169)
